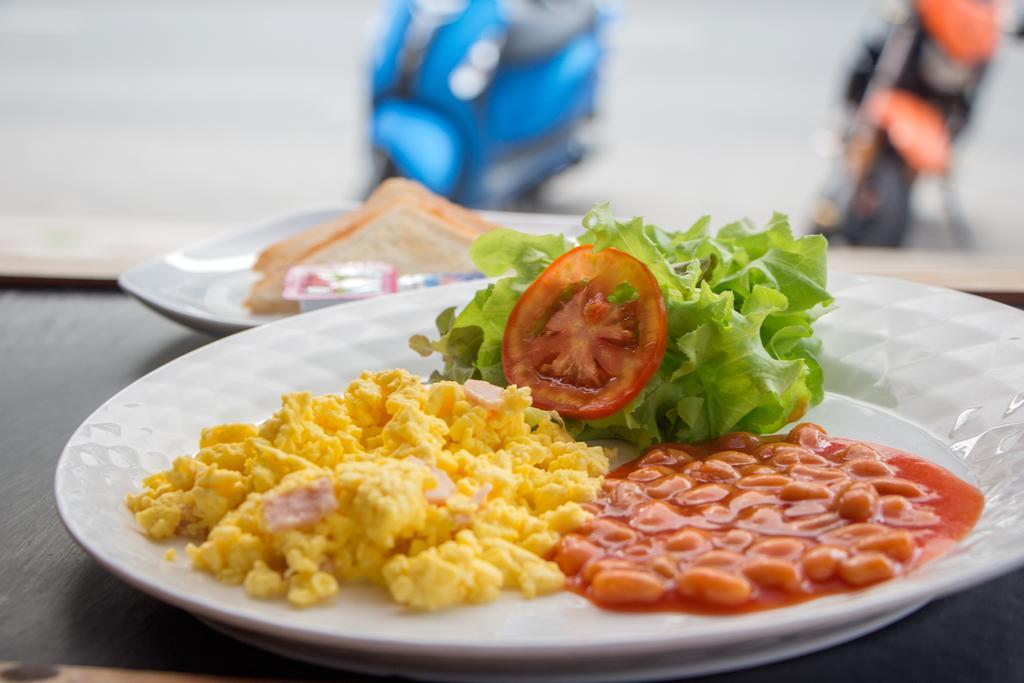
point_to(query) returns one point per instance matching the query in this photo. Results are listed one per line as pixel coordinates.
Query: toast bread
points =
(401, 223)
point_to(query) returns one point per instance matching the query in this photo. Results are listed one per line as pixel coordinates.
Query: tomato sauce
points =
(747, 523)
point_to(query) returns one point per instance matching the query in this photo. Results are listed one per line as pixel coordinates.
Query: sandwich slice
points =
(401, 223)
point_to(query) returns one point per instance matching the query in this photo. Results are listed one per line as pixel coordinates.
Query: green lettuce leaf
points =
(741, 304)
(459, 347)
(480, 326)
(503, 250)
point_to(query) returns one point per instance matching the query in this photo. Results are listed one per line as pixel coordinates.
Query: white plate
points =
(931, 370)
(671, 665)
(204, 285)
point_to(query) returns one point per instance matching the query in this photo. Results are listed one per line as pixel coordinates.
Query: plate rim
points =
(797, 646)
(870, 602)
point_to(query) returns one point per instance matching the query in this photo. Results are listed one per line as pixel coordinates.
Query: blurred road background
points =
(153, 122)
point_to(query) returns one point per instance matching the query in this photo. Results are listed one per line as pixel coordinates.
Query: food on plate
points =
(745, 523)
(604, 339)
(445, 493)
(442, 493)
(401, 223)
(731, 346)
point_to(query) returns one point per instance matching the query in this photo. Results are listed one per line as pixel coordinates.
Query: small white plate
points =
(204, 285)
(933, 371)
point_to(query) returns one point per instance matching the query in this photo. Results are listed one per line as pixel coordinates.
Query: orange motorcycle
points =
(910, 95)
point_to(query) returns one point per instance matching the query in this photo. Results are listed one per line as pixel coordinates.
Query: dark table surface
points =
(62, 353)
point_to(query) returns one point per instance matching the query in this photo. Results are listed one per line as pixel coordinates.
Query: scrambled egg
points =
(441, 493)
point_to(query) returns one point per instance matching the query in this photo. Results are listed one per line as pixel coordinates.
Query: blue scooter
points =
(483, 100)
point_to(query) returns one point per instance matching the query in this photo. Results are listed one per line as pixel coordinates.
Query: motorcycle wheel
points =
(879, 214)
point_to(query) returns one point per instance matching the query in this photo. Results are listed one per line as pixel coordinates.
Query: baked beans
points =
(746, 522)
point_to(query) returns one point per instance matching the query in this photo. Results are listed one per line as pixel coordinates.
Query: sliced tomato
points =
(587, 334)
